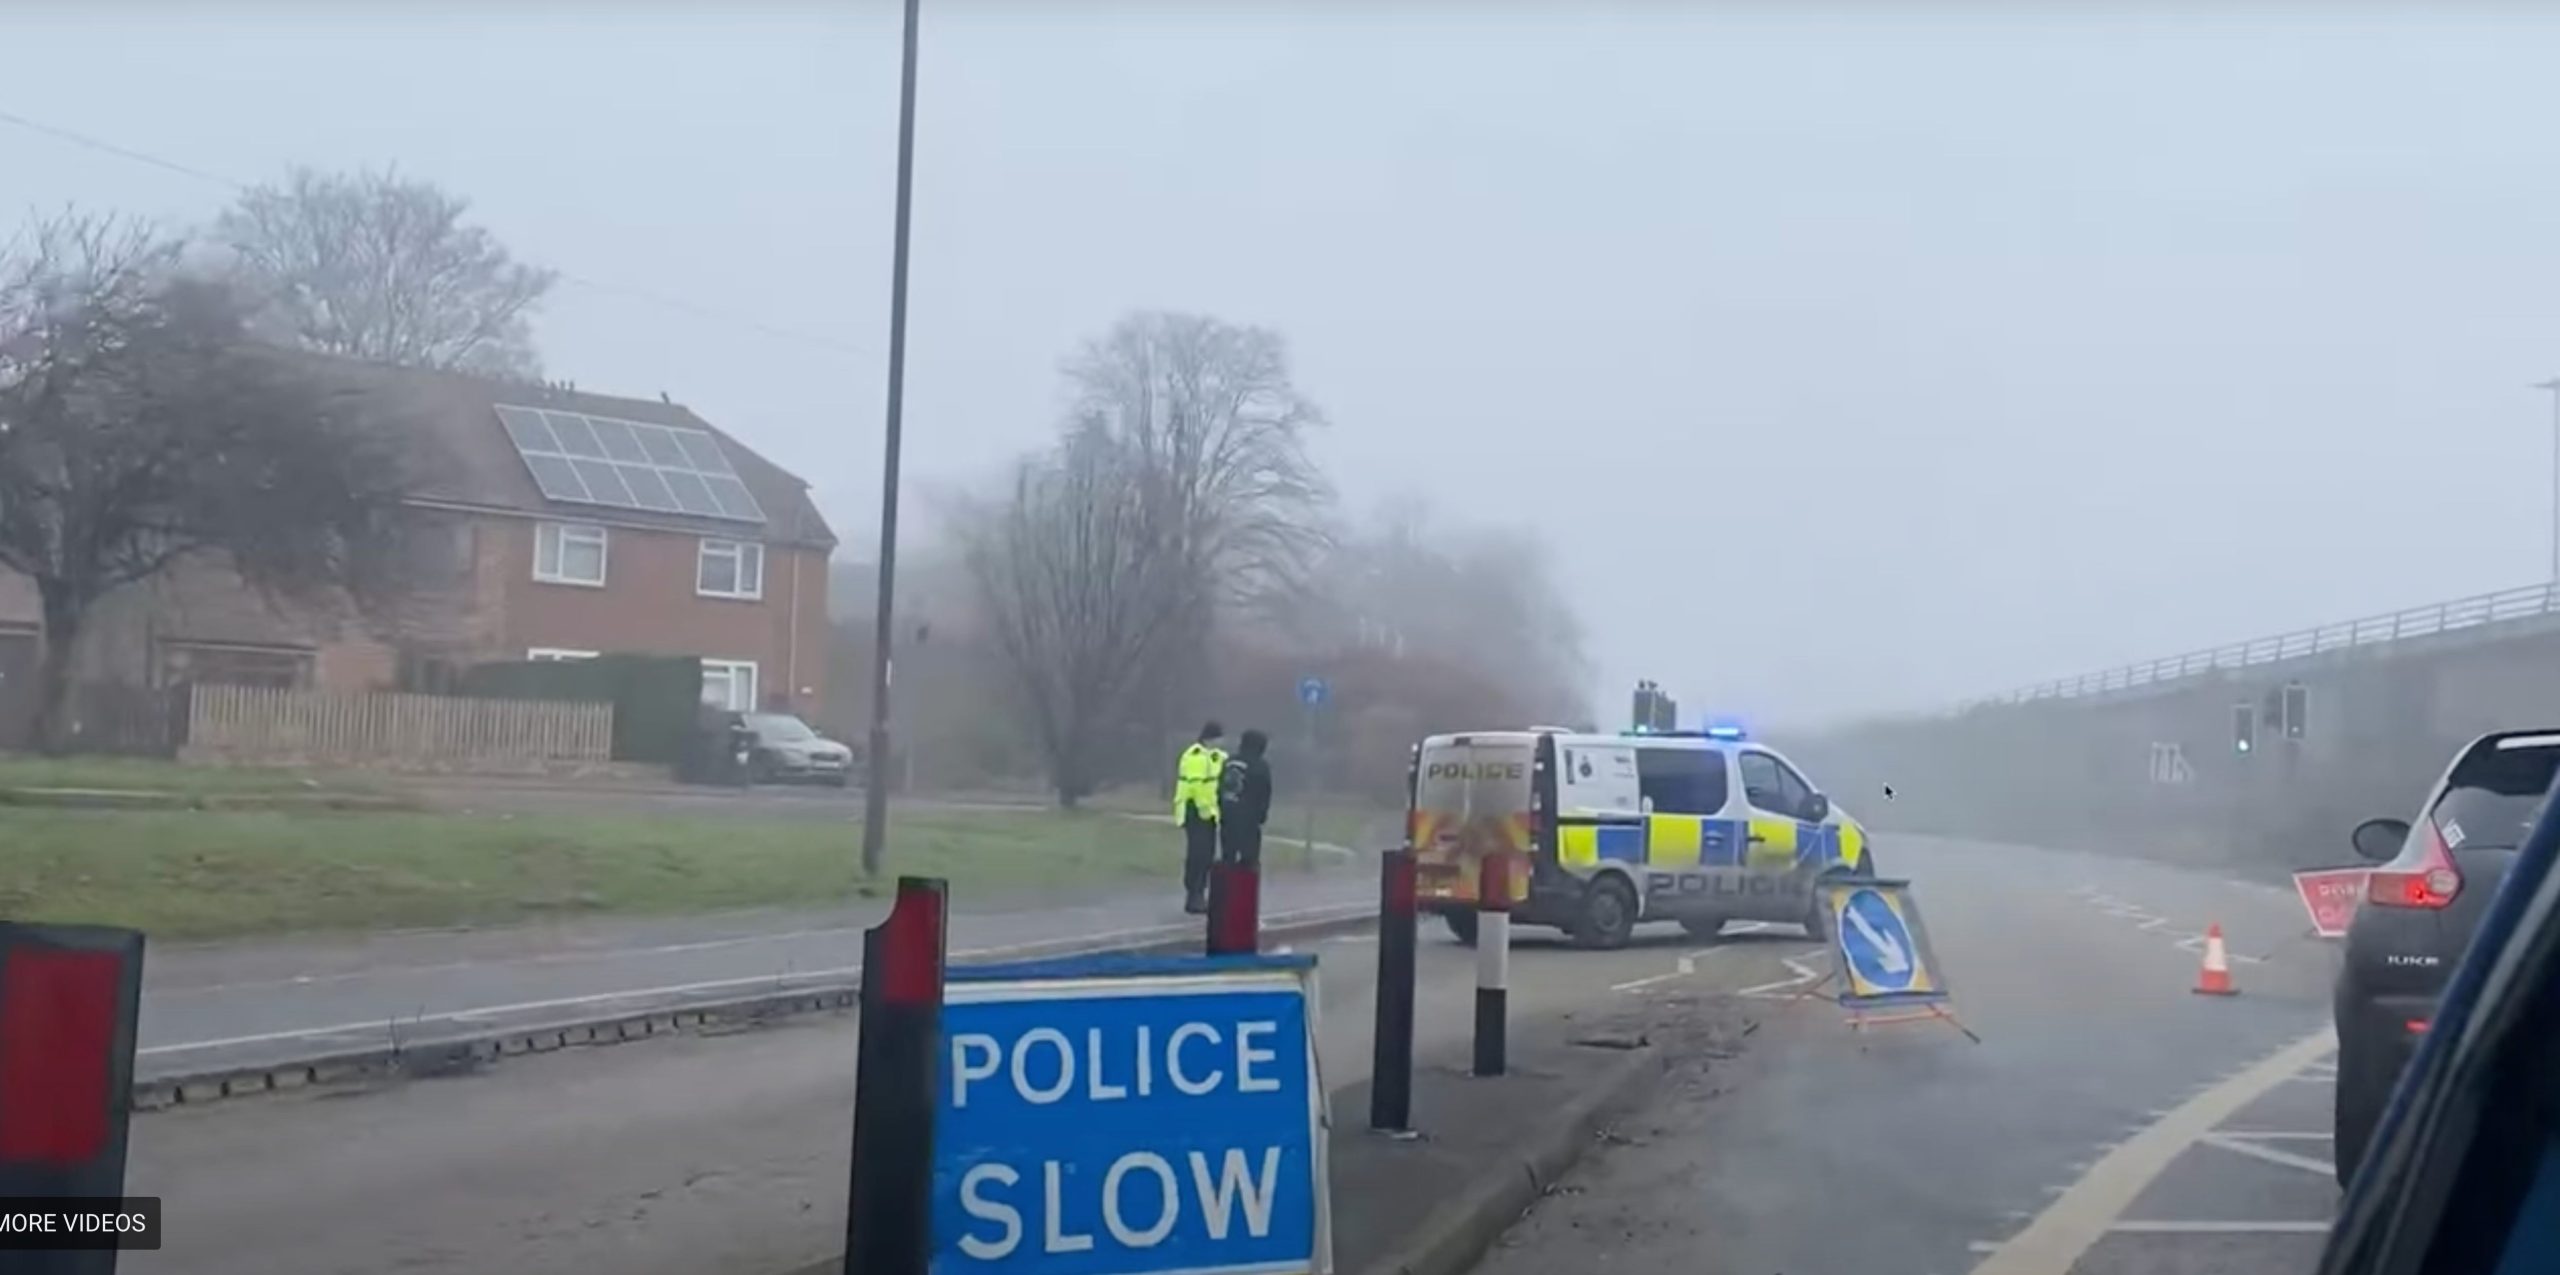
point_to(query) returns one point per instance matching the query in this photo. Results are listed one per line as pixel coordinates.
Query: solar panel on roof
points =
(617, 439)
(599, 460)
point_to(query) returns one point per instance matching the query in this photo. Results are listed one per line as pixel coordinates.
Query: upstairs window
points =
(569, 553)
(730, 569)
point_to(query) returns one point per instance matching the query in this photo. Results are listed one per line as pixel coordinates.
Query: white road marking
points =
(1985, 1246)
(777, 980)
(2313, 1078)
(2269, 1154)
(2264, 1135)
(2054, 1241)
(2220, 1228)
(1767, 991)
(1683, 968)
(1647, 982)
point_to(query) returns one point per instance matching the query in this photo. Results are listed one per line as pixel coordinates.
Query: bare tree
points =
(381, 267)
(1076, 608)
(141, 425)
(1214, 435)
(1182, 488)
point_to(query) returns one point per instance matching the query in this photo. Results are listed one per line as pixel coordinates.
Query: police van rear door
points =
(1471, 798)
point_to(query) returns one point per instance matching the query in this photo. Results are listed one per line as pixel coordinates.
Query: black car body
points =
(2421, 908)
(784, 749)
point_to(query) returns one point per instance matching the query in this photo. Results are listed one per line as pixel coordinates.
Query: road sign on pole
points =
(1313, 694)
(1131, 1115)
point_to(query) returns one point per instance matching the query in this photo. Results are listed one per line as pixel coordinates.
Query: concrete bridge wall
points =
(2382, 721)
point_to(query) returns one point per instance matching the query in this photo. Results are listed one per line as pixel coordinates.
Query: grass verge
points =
(216, 874)
(134, 774)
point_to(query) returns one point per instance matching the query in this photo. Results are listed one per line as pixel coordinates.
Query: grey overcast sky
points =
(1846, 359)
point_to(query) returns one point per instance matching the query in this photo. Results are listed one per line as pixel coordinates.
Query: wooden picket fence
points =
(255, 723)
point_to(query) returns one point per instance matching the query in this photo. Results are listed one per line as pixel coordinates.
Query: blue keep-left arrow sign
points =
(1313, 692)
(1877, 943)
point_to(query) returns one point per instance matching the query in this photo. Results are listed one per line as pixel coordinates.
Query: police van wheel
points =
(1817, 918)
(1462, 925)
(1608, 914)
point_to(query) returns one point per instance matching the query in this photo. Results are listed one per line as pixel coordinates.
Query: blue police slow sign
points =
(1130, 1116)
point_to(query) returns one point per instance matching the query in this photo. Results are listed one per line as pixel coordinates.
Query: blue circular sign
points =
(1312, 691)
(1877, 943)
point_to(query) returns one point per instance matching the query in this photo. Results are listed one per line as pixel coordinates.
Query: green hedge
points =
(654, 697)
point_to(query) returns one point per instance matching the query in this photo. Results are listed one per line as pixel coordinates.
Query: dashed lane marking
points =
(2088, 1209)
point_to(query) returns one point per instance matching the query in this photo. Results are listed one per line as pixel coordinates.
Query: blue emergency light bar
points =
(1712, 732)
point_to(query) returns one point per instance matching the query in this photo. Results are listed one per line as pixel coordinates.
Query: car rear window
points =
(2495, 791)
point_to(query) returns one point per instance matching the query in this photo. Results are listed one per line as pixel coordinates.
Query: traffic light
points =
(2244, 728)
(1654, 711)
(2297, 701)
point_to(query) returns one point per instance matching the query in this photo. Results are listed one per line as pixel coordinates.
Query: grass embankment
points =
(195, 874)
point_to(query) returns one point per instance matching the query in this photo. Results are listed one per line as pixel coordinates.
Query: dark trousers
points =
(1199, 849)
(1240, 841)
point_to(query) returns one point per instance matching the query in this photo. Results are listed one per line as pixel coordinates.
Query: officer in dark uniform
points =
(1244, 800)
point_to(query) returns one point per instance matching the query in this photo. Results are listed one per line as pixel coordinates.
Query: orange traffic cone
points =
(2215, 978)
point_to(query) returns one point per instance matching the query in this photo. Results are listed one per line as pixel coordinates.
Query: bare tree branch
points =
(142, 425)
(379, 267)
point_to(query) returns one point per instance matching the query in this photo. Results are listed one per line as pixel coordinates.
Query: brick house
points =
(559, 525)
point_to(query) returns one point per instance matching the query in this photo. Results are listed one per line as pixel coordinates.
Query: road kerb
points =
(1450, 1238)
(447, 1054)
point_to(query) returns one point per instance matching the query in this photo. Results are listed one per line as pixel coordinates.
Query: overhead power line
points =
(665, 300)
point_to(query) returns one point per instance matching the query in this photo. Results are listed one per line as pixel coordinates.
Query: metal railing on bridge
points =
(2442, 617)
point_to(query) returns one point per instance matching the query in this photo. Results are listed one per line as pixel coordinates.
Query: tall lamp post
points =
(875, 794)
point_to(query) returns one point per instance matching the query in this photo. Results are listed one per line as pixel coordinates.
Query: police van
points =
(1697, 827)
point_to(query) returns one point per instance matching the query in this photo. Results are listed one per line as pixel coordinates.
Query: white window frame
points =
(730, 670)
(550, 541)
(740, 553)
(547, 654)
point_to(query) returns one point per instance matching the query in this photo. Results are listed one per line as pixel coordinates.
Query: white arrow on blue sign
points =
(1313, 691)
(1877, 943)
(1130, 1116)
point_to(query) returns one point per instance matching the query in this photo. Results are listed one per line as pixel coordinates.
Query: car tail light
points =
(2429, 883)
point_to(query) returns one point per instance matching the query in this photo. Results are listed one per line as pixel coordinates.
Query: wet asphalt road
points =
(1909, 1149)
(694, 1154)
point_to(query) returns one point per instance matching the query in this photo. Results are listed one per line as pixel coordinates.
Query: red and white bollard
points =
(889, 1220)
(1493, 964)
(1235, 909)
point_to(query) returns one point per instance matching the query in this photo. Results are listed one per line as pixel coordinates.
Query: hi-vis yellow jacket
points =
(1195, 782)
